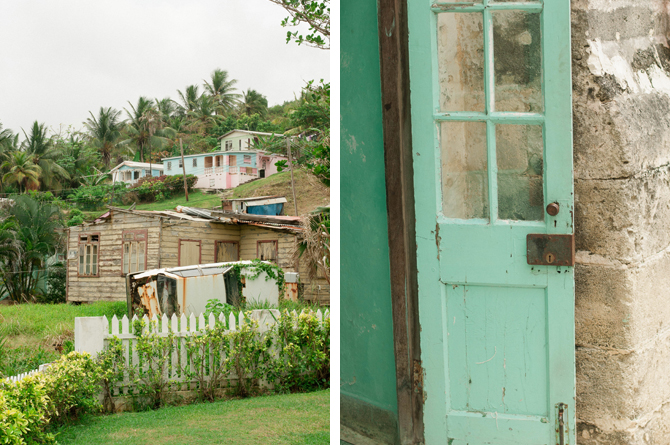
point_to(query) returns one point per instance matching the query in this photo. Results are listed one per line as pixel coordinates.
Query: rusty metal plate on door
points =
(550, 250)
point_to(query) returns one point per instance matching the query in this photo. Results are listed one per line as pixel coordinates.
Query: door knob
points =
(553, 209)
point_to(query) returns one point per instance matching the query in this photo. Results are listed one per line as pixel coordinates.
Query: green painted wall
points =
(367, 360)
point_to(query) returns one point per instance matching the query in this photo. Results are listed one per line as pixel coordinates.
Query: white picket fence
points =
(18, 378)
(92, 334)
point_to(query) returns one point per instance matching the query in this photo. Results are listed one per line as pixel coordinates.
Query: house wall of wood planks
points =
(163, 238)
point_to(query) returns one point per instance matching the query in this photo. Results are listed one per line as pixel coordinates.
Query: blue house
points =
(223, 169)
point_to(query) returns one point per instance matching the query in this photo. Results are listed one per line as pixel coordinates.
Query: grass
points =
(196, 198)
(35, 325)
(284, 419)
(309, 191)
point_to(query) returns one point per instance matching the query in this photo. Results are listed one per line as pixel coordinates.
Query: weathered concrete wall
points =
(621, 77)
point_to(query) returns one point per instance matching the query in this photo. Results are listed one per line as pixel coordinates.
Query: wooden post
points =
(183, 168)
(394, 67)
(290, 164)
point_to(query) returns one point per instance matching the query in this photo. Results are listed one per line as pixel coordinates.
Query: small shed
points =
(257, 205)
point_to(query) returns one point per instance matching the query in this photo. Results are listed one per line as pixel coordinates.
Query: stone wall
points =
(621, 97)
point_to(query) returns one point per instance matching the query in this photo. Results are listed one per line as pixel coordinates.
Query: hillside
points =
(309, 191)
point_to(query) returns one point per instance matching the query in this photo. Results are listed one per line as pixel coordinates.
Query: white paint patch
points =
(613, 5)
(609, 58)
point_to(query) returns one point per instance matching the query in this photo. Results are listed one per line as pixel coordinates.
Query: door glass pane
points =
(517, 61)
(465, 184)
(94, 261)
(519, 153)
(460, 56)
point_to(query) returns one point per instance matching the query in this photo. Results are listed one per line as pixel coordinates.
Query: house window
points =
(169, 167)
(180, 164)
(208, 162)
(134, 250)
(89, 246)
(247, 159)
(267, 251)
(229, 145)
(232, 160)
(240, 144)
(211, 182)
(227, 251)
(136, 174)
(195, 162)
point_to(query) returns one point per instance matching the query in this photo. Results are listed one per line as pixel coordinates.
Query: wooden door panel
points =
(189, 253)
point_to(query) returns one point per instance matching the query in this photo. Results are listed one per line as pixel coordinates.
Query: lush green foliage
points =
(56, 280)
(314, 13)
(93, 197)
(159, 188)
(65, 390)
(35, 232)
(302, 361)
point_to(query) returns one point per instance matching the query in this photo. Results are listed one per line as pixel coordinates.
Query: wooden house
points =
(102, 252)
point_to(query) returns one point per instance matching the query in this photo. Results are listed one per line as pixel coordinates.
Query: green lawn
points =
(195, 199)
(35, 324)
(34, 334)
(283, 419)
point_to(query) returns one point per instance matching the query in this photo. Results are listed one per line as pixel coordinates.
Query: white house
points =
(239, 140)
(130, 172)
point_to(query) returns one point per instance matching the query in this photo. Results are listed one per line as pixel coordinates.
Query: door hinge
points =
(562, 436)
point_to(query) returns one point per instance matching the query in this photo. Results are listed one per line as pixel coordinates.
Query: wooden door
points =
(189, 252)
(267, 251)
(492, 146)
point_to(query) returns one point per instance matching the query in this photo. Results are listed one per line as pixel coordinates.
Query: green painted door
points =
(492, 142)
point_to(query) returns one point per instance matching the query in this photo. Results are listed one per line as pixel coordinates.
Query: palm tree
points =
(37, 231)
(21, 169)
(105, 132)
(45, 154)
(145, 127)
(222, 90)
(189, 98)
(254, 102)
(136, 127)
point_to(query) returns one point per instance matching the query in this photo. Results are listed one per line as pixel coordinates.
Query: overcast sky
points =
(60, 59)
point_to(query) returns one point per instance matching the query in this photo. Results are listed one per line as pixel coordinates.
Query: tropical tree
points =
(37, 227)
(189, 99)
(79, 158)
(222, 91)
(313, 13)
(105, 132)
(253, 102)
(22, 170)
(145, 128)
(44, 154)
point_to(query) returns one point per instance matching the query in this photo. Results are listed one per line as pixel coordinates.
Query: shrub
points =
(75, 217)
(29, 398)
(94, 197)
(56, 281)
(73, 387)
(302, 361)
(157, 188)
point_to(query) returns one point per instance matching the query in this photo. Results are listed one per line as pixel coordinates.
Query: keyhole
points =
(549, 258)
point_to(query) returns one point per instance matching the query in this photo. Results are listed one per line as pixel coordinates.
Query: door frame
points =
(397, 131)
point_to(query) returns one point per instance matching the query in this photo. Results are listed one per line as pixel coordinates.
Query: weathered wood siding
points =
(317, 290)
(208, 233)
(111, 284)
(250, 235)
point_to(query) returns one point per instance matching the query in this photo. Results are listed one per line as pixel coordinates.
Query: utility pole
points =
(183, 168)
(290, 164)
